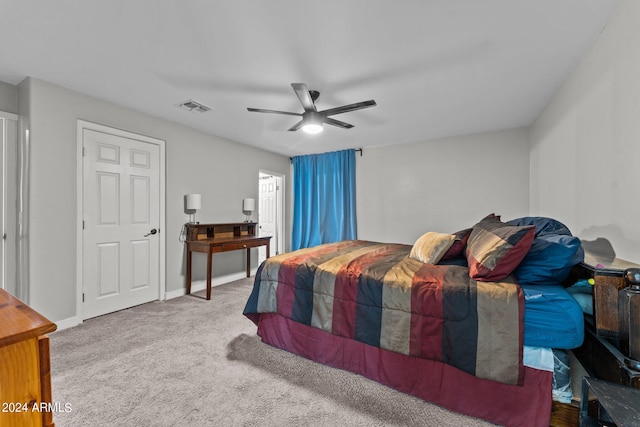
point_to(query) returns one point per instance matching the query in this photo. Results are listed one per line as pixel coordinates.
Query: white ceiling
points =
(436, 68)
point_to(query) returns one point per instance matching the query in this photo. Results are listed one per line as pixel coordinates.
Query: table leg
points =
(584, 402)
(209, 267)
(188, 278)
(248, 262)
(268, 245)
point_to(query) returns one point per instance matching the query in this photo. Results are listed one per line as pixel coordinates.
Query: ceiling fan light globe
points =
(312, 128)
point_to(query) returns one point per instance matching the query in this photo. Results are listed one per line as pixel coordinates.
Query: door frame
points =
(81, 126)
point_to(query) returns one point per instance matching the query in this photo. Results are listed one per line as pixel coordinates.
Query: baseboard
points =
(68, 323)
(200, 285)
(197, 285)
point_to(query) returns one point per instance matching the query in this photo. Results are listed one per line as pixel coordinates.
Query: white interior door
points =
(266, 213)
(270, 211)
(8, 202)
(121, 208)
(3, 199)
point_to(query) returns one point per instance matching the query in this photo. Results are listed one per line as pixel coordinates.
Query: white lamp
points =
(193, 202)
(248, 206)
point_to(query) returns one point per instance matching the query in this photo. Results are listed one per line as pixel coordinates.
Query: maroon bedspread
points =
(375, 294)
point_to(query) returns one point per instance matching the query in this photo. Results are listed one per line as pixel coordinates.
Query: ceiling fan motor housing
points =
(312, 117)
(312, 122)
(314, 95)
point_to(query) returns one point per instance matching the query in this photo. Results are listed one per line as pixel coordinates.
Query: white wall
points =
(585, 145)
(441, 185)
(224, 172)
(8, 98)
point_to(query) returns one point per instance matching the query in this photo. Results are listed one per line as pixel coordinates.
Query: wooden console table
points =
(212, 238)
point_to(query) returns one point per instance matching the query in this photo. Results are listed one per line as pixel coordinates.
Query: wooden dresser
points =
(25, 376)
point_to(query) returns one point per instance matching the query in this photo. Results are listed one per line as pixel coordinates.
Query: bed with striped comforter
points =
(376, 294)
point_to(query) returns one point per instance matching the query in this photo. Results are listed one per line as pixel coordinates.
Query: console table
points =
(212, 238)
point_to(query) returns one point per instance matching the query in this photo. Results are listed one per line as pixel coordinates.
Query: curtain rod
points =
(357, 149)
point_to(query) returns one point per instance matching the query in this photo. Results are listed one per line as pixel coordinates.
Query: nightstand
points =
(602, 354)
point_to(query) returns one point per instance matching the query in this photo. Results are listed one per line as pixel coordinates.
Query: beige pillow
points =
(431, 246)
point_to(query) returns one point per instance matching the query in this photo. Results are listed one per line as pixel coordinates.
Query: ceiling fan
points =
(312, 119)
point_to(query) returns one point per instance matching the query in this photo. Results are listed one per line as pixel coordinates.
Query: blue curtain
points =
(324, 198)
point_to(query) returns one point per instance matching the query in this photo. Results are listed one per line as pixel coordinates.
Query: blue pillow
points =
(543, 225)
(553, 253)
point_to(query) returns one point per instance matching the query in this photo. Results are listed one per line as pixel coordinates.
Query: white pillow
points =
(431, 247)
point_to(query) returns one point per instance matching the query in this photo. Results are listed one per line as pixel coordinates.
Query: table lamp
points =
(193, 203)
(248, 206)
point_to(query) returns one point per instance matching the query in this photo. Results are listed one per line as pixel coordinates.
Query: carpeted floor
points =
(188, 361)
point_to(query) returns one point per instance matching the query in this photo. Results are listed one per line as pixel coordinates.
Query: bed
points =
(445, 320)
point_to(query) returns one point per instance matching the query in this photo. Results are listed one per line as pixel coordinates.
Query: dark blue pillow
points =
(553, 253)
(543, 225)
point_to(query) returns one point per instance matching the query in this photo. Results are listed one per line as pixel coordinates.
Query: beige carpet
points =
(192, 362)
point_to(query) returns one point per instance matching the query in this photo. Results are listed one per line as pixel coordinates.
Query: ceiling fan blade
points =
(337, 123)
(260, 110)
(304, 96)
(296, 126)
(350, 107)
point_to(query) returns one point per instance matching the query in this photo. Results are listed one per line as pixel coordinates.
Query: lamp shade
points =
(249, 205)
(194, 201)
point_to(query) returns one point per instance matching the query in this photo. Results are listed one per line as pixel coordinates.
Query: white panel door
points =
(8, 202)
(3, 199)
(121, 210)
(267, 214)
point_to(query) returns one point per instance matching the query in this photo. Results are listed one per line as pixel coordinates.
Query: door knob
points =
(153, 231)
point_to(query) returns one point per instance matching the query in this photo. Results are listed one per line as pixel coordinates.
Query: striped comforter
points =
(374, 293)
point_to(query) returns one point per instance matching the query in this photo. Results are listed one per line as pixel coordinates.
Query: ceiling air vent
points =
(194, 106)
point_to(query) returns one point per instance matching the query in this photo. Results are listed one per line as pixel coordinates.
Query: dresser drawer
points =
(254, 243)
(235, 246)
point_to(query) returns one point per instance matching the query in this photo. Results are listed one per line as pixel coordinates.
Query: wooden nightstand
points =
(601, 354)
(608, 274)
